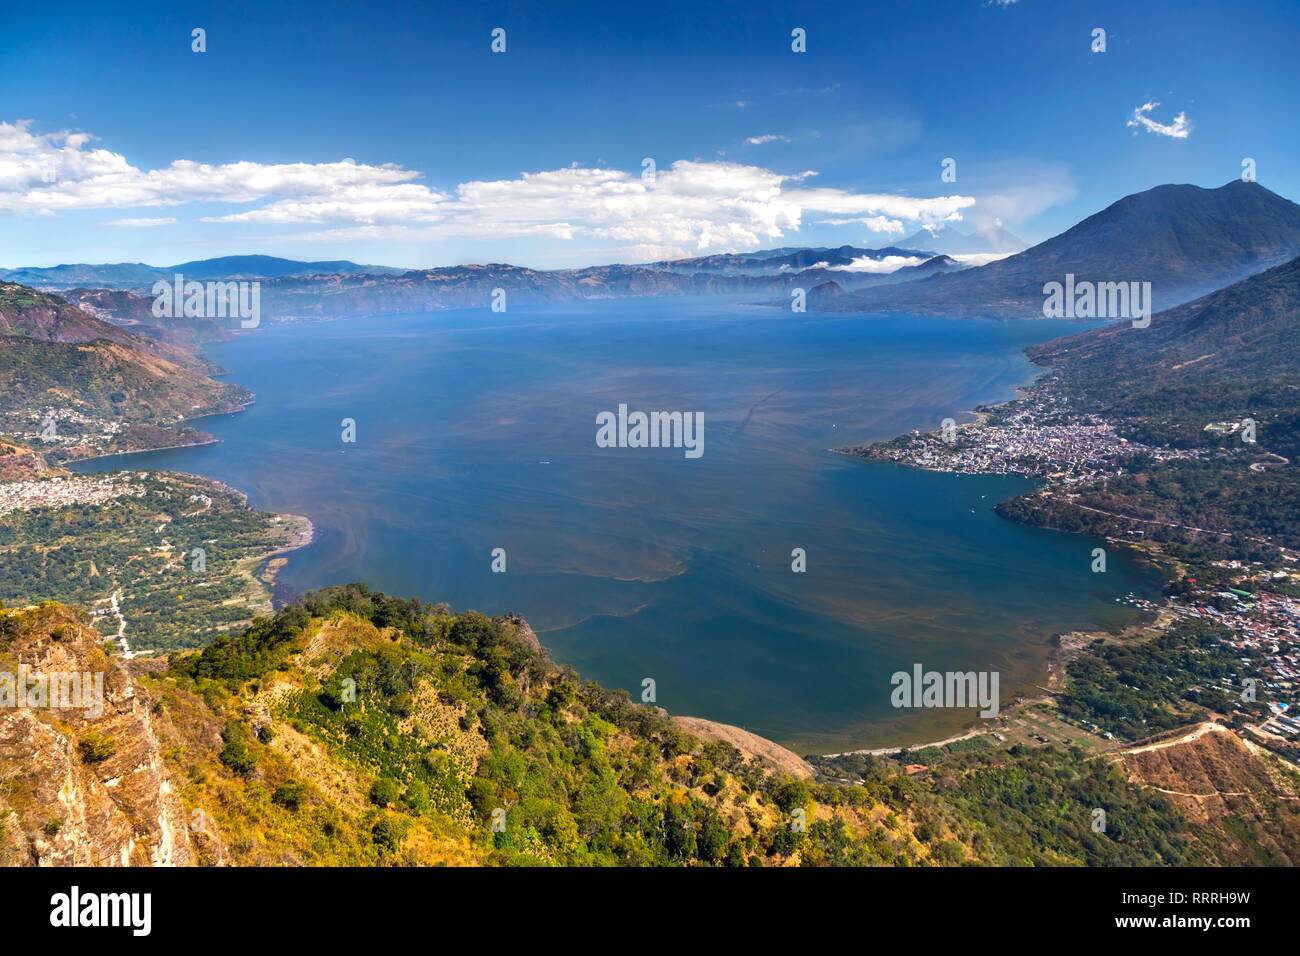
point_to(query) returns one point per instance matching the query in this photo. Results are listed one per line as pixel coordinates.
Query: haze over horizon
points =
(441, 152)
(550, 436)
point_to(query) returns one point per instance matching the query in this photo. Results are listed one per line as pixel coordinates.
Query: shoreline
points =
(1065, 644)
(268, 569)
(73, 462)
(186, 422)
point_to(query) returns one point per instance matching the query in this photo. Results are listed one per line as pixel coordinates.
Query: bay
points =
(476, 431)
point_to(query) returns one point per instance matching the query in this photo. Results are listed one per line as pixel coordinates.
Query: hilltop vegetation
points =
(355, 728)
(107, 380)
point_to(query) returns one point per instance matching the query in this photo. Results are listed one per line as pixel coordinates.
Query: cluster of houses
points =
(1261, 621)
(60, 492)
(1033, 437)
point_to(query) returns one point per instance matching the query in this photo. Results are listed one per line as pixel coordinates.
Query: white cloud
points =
(161, 221)
(766, 138)
(883, 264)
(50, 172)
(979, 258)
(1180, 128)
(689, 205)
(878, 224)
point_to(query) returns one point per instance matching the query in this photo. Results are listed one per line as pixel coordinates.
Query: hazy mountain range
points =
(947, 239)
(1233, 348)
(138, 275)
(1184, 240)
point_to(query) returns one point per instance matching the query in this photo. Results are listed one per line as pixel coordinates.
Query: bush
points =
(385, 792)
(417, 796)
(289, 795)
(236, 754)
(389, 833)
(96, 747)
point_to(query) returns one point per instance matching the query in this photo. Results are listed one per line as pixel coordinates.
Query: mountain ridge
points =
(1183, 239)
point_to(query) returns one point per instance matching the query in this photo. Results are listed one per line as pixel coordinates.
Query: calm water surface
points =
(477, 431)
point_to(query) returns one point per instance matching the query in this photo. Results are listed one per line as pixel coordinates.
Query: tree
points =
(417, 796)
(384, 792)
(713, 836)
(289, 795)
(389, 833)
(237, 755)
(679, 831)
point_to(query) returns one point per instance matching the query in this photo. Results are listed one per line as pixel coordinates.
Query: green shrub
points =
(389, 833)
(95, 747)
(417, 796)
(289, 795)
(385, 792)
(237, 755)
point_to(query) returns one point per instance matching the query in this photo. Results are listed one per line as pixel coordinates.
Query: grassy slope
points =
(456, 716)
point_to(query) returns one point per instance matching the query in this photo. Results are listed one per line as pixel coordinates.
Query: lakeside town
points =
(66, 434)
(65, 491)
(174, 559)
(52, 427)
(1036, 436)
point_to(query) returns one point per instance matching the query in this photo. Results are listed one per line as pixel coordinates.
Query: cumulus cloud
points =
(877, 224)
(766, 138)
(52, 172)
(1180, 128)
(883, 264)
(689, 204)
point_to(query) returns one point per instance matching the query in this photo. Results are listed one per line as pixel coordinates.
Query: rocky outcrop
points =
(769, 754)
(522, 630)
(82, 776)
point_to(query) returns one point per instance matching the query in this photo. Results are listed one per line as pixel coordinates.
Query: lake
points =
(476, 431)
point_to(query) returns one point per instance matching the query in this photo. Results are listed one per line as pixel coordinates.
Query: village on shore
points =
(1038, 435)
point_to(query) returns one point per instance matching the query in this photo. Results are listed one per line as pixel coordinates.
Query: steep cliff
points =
(83, 781)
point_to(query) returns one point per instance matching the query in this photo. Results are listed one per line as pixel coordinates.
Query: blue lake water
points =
(477, 431)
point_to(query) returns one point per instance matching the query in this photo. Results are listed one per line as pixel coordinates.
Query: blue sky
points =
(390, 133)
